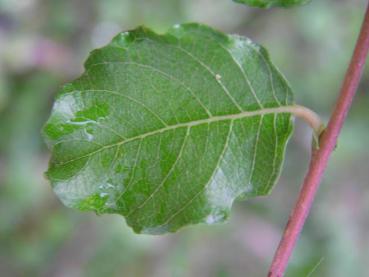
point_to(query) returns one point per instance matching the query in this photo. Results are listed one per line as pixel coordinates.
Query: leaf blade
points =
(168, 130)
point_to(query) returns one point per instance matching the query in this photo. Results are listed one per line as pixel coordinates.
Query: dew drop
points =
(89, 134)
(103, 194)
(210, 219)
(109, 186)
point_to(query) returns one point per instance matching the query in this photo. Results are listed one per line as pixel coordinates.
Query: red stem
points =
(320, 157)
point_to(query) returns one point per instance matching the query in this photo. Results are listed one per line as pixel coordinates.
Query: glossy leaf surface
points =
(168, 130)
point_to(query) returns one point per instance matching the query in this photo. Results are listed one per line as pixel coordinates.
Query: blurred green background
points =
(43, 44)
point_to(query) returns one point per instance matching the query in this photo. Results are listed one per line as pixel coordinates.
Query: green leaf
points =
(272, 3)
(168, 130)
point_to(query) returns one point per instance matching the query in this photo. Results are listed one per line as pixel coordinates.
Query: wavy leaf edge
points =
(125, 38)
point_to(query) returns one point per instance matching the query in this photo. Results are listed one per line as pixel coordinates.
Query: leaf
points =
(272, 3)
(168, 130)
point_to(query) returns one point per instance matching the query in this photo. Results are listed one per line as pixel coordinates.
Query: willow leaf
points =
(168, 130)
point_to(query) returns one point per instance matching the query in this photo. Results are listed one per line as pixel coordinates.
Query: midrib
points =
(294, 109)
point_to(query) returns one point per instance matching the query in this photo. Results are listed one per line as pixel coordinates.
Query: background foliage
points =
(43, 44)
